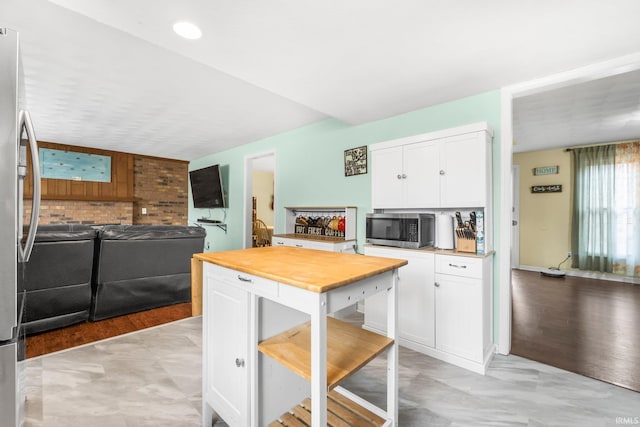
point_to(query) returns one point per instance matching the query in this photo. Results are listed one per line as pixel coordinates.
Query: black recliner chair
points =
(57, 278)
(139, 267)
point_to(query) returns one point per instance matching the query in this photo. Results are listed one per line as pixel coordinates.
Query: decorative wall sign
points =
(545, 170)
(355, 161)
(59, 164)
(557, 188)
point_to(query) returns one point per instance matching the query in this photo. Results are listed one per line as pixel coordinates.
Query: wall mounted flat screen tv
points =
(206, 187)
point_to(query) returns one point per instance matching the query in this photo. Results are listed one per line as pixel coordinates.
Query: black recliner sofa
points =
(57, 278)
(139, 267)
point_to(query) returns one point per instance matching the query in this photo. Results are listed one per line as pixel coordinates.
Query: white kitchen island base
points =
(237, 378)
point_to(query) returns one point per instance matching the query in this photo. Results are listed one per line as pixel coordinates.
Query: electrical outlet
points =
(569, 254)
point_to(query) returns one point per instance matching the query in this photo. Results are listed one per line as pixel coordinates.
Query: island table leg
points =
(319, 362)
(392, 353)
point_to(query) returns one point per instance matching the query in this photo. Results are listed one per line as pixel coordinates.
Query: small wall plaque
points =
(545, 170)
(355, 161)
(557, 188)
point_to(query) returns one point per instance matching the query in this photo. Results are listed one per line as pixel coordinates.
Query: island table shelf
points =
(349, 348)
(309, 281)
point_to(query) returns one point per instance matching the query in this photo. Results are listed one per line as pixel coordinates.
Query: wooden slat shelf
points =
(341, 412)
(349, 348)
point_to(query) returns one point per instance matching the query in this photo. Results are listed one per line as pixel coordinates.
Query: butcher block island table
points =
(271, 354)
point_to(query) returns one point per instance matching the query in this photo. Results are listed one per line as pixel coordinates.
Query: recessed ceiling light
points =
(187, 30)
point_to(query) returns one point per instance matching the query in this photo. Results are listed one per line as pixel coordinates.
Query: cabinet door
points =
(227, 348)
(463, 163)
(386, 178)
(421, 168)
(415, 297)
(459, 316)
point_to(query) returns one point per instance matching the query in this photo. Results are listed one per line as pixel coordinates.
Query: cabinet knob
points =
(399, 176)
(404, 176)
(239, 362)
(437, 285)
(441, 172)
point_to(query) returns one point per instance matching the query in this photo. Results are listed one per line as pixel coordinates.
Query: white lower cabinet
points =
(226, 384)
(415, 296)
(459, 316)
(444, 306)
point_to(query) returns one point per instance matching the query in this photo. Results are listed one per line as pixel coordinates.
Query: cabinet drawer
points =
(459, 266)
(279, 241)
(249, 282)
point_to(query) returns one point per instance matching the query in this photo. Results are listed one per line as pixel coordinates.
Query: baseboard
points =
(587, 274)
(477, 367)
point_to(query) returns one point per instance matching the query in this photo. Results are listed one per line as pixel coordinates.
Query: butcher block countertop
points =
(310, 269)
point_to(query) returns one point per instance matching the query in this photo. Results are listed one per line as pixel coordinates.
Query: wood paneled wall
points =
(119, 189)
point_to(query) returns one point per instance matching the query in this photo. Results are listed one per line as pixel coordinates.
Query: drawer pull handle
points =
(239, 362)
(298, 246)
(437, 285)
(244, 279)
(457, 266)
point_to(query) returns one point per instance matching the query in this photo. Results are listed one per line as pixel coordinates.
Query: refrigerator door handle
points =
(24, 119)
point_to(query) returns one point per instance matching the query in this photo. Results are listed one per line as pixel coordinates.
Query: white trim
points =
(460, 130)
(588, 275)
(248, 192)
(503, 345)
(591, 72)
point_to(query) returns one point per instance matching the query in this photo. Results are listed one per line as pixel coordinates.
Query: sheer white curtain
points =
(627, 211)
(592, 236)
(606, 214)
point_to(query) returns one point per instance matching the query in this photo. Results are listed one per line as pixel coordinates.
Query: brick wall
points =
(81, 212)
(160, 186)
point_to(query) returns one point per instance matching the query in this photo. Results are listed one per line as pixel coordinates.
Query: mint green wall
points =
(310, 165)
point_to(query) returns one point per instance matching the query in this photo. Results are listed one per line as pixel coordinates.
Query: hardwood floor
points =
(587, 326)
(83, 333)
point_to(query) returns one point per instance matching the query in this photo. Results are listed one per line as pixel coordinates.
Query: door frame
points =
(508, 94)
(515, 216)
(248, 194)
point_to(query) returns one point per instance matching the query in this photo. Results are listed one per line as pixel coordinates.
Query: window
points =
(606, 218)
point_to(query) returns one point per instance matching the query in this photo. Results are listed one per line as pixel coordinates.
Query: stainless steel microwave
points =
(402, 230)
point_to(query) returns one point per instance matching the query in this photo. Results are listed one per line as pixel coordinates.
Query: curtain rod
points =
(604, 143)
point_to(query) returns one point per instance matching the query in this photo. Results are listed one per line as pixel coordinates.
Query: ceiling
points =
(112, 74)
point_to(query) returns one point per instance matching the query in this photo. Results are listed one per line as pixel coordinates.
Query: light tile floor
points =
(152, 378)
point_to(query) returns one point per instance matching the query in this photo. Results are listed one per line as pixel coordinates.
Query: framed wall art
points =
(355, 161)
(59, 164)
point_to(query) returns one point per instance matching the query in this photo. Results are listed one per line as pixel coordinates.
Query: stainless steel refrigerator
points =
(16, 133)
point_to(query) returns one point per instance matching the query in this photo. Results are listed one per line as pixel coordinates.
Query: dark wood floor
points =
(84, 333)
(587, 326)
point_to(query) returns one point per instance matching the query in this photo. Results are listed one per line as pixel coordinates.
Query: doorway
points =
(504, 244)
(260, 197)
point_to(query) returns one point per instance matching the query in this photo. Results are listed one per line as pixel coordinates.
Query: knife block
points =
(466, 245)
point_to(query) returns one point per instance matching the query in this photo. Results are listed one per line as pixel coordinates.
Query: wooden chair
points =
(261, 235)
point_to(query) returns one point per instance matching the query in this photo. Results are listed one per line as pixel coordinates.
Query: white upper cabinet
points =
(386, 178)
(464, 177)
(445, 169)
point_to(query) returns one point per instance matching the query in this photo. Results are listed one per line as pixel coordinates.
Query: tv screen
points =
(206, 187)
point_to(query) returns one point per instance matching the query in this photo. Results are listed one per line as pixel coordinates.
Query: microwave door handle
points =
(24, 253)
